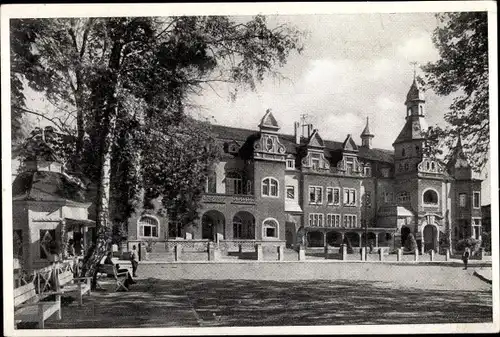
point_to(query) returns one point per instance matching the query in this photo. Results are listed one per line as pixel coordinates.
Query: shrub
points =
(486, 241)
(410, 244)
(472, 243)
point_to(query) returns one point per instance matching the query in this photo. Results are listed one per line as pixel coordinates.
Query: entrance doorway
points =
(405, 232)
(212, 224)
(430, 238)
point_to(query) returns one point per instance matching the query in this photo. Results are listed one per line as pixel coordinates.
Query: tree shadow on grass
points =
(187, 303)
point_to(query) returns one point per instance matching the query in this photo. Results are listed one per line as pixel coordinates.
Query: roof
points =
(413, 129)
(366, 130)
(415, 93)
(46, 186)
(239, 134)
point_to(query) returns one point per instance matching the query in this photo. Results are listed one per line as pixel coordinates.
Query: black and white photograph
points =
(253, 168)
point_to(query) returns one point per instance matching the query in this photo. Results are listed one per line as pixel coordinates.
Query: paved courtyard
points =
(256, 294)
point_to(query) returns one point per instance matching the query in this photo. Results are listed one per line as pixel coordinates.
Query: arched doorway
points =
(371, 241)
(351, 239)
(334, 238)
(430, 236)
(314, 239)
(405, 232)
(212, 225)
(244, 226)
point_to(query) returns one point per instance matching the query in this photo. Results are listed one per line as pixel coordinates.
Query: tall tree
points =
(155, 64)
(462, 69)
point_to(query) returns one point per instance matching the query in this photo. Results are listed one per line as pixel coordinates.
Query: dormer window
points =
(290, 164)
(315, 161)
(368, 171)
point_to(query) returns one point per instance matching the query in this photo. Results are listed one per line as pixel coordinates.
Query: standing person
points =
(465, 256)
(134, 258)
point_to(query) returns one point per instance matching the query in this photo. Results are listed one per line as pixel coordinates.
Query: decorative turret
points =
(39, 155)
(415, 100)
(367, 136)
(268, 146)
(268, 123)
(459, 166)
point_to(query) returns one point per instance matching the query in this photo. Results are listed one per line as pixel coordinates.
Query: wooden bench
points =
(29, 308)
(66, 283)
(119, 277)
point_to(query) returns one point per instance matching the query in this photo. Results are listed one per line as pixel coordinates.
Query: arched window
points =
(148, 227)
(270, 228)
(433, 166)
(431, 197)
(234, 183)
(211, 186)
(270, 187)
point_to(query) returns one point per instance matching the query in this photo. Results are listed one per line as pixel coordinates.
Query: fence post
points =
(447, 254)
(240, 248)
(258, 250)
(281, 253)
(302, 253)
(326, 252)
(481, 253)
(432, 254)
(210, 251)
(344, 252)
(400, 254)
(177, 253)
(363, 251)
(416, 255)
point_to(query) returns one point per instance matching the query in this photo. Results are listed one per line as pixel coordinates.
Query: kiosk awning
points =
(79, 222)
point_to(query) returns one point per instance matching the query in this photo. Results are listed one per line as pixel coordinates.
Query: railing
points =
(43, 278)
(244, 199)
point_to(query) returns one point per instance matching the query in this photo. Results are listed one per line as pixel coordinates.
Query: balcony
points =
(236, 199)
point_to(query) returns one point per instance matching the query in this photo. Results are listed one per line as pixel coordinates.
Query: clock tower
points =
(408, 145)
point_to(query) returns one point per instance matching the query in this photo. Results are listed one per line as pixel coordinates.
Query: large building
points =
(301, 189)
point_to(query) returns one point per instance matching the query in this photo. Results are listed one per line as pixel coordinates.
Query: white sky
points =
(354, 66)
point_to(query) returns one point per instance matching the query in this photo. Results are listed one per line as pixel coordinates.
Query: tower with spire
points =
(366, 135)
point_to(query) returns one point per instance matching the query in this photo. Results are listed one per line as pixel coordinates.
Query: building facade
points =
(301, 189)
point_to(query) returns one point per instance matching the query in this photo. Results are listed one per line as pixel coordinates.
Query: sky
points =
(353, 66)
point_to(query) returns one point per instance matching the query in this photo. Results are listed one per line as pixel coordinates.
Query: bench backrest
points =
(64, 277)
(24, 294)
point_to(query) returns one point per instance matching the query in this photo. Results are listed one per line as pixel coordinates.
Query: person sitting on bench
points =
(108, 260)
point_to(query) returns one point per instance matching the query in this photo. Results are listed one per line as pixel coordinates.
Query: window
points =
(368, 199)
(388, 197)
(290, 164)
(211, 183)
(244, 228)
(403, 152)
(349, 166)
(148, 227)
(462, 199)
(349, 197)
(329, 195)
(333, 196)
(333, 220)
(368, 171)
(350, 221)
(403, 196)
(407, 166)
(269, 144)
(48, 245)
(433, 166)
(270, 228)
(430, 197)
(249, 190)
(417, 148)
(476, 201)
(270, 187)
(315, 161)
(234, 183)
(315, 195)
(315, 219)
(290, 192)
(476, 228)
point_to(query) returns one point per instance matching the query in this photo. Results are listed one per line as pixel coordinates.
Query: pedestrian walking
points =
(465, 257)
(134, 258)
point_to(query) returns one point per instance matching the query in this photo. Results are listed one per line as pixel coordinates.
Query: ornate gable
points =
(269, 147)
(268, 122)
(315, 140)
(349, 145)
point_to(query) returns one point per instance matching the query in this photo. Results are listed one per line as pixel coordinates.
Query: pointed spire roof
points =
(459, 158)
(315, 140)
(416, 93)
(366, 132)
(268, 122)
(349, 145)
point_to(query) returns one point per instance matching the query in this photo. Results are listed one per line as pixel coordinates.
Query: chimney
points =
(309, 130)
(297, 133)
